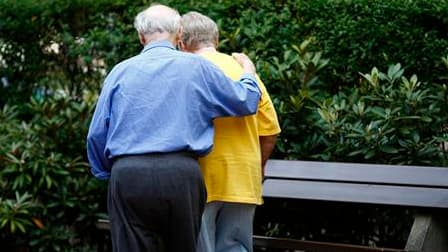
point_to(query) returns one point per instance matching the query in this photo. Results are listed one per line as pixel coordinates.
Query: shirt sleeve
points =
(266, 116)
(229, 98)
(97, 136)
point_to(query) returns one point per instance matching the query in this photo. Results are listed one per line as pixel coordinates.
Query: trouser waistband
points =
(188, 154)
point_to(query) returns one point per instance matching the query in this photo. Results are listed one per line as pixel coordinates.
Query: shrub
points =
(44, 168)
(357, 35)
(78, 41)
(74, 42)
(389, 118)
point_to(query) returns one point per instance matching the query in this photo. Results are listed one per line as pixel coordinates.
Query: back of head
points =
(198, 31)
(157, 19)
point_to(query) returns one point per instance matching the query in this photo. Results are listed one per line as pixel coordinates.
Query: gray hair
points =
(198, 30)
(157, 18)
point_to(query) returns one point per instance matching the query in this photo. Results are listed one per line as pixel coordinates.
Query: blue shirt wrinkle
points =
(163, 100)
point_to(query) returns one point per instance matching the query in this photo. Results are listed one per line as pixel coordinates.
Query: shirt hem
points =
(235, 200)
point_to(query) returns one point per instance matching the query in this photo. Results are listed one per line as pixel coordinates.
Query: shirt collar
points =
(161, 43)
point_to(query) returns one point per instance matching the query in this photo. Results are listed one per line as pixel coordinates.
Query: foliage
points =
(41, 156)
(359, 34)
(296, 87)
(14, 213)
(78, 41)
(71, 42)
(388, 119)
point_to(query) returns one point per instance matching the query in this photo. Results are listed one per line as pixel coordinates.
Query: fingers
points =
(245, 62)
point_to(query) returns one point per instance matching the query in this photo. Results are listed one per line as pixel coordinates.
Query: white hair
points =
(157, 18)
(199, 30)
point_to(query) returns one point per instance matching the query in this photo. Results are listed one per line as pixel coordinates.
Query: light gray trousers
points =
(227, 227)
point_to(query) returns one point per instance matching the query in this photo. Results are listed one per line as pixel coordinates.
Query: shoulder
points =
(226, 63)
(191, 60)
(117, 73)
(192, 57)
(123, 65)
(218, 57)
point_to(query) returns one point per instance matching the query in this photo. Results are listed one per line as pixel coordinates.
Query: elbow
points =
(252, 108)
(251, 103)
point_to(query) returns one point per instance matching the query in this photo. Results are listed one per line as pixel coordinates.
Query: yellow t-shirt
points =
(232, 170)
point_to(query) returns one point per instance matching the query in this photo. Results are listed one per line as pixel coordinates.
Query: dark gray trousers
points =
(155, 203)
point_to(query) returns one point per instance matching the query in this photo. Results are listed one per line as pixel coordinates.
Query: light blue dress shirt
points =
(163, 100)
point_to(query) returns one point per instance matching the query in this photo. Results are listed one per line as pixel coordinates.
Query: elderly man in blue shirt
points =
(152, 120)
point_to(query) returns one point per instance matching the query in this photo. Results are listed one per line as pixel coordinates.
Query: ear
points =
(181, 45)
(142, 39)
(180, 42)
(179, 33)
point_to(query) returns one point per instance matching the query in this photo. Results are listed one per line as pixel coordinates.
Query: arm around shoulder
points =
(229, 98)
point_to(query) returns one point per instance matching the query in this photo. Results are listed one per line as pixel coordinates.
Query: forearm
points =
(96, 144)
(267, 144)
(100, 165)
(227, 97)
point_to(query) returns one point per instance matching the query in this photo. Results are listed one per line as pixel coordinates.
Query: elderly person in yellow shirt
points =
(233, 170)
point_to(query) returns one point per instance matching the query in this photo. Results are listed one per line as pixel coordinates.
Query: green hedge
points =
(359, 34)
(48, 200)
(355, 35)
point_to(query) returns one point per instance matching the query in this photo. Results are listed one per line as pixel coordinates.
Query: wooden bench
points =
(391, 185)
(413, 186)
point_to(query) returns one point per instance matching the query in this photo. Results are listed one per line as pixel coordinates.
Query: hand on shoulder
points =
(245, 62)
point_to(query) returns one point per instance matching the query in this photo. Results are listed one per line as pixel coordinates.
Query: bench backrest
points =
(361, 183)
